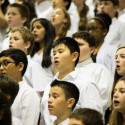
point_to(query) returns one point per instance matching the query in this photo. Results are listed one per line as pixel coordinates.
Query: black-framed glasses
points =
(5, 63)
(93, 28)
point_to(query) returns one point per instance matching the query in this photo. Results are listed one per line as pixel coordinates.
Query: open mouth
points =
(35, 35)
(56, 62)
(10, 46)
(117, 66)
(116, 102)
(50, 107)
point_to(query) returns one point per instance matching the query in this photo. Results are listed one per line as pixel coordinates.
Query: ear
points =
(70, 102)
(20, 66)
(24, 19)
(75, 56)
(27, 45)
(92, 49)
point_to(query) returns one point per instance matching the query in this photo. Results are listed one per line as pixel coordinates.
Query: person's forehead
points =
(61, 45)
(3, 58)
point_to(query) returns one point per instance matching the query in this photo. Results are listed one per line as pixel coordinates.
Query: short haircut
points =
(5, 107)
(23, 10)
(85, 35)
(87, 116)
(9, 86)
(27, 36)
(69, 3)
(115, 2)
(104, 19)
(70, 43)
(17, 55)
(70, 90)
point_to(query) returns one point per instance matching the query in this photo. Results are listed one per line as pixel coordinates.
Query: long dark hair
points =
(48, 38)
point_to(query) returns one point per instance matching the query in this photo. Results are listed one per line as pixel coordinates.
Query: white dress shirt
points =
(116, 34)
(89, 95)
(26, 106)
(106, 57)
(121, 16)
(102, 77)
(5, 43)
(43, 9)
(16, 121)
(35, 75)
(39, 58)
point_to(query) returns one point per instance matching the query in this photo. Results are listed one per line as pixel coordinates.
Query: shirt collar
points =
(86, 62)
(65, 122)
(71, 75)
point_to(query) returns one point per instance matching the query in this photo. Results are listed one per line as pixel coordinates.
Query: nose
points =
(117, 60)
(101, 6)
(1, 68)
(10, 41)
(34, 30)
(115, 95)
(49, 100)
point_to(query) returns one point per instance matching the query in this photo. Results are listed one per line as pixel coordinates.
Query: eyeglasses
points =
(5, 63)
(94, 28)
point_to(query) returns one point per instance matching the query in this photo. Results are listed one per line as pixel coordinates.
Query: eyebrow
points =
(58, 49)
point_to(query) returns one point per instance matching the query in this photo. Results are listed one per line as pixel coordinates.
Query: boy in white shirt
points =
(98, 72)
(63, 97)
(22, 38)
(115, 36)
(65, 58)
(26, 105)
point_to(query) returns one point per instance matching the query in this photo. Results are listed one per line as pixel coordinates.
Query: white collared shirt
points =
(89, 95)
(16, 121)
(116, 34)
(43, 9)
(106, 57)
(102, 77)
(26, 105)
(36, 76)
(121, 16)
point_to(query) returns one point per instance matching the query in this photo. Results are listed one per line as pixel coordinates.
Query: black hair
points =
(87, 116)
(17, 55)
(48, 41)
(85, 35)
(70, 90)
(9, 86)
(115, 2)
(31, 5)
(24, 11)
(5, 107)
(70, 43)
(104, 19)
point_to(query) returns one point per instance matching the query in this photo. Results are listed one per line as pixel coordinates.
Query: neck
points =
(64, 73)
(41, 48)
(57, 29)
(98, 47)
(19, 78)
(63, 117)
